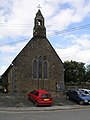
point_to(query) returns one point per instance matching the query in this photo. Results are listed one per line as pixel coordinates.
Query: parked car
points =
(78, 96)
(86, 91)
(40, 97)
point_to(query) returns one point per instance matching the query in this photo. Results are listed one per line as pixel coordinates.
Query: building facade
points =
(37, 66)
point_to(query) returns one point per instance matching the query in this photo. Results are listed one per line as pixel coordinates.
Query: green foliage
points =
(88, 72)
(0, 80)
(74, 71)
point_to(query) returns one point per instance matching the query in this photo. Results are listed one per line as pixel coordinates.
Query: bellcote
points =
(39, 29)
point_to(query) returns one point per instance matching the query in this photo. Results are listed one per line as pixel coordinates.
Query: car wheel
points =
(81, 102)
(67, 97)
(36, 103)
(28, 98)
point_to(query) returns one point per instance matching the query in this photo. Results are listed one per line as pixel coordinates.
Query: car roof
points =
(42, 91)
(85, 89)
(73, 90)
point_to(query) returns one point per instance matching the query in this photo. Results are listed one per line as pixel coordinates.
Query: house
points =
(37, 66)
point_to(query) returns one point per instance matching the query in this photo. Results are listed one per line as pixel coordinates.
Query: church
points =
(37, 66)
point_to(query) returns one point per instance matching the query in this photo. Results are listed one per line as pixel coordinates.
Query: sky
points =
(67, 24)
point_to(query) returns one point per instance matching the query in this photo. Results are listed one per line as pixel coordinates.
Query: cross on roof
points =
(39, 7)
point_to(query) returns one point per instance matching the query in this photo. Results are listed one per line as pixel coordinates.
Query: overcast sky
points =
(67, 23)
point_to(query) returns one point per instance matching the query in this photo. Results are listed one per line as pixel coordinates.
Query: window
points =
(40, 68)
(46, 96)
(45, 69)
(35, 69)
(37, 93)
(39, 22)
(86, 92)
(75, 93)
(33, 92)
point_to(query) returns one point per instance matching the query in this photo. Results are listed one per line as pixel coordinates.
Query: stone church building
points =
(37, 66)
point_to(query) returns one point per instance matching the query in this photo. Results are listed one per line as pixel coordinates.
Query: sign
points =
(59, 86)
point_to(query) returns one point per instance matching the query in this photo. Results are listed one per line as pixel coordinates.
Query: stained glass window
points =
(35, 69)
(40, 67)
(45, 69)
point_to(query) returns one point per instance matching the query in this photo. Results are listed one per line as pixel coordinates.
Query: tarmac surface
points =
(21, 104)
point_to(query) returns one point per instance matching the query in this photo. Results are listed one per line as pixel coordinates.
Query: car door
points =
(35, 96)
(32, 94)
(76, 96)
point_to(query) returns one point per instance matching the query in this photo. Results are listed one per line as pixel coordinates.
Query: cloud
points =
(17, 19)
(20, 20)
(79, 49)
(17, 16)
(2, 69)
(12, 49)
(64, 16)
(8, 53)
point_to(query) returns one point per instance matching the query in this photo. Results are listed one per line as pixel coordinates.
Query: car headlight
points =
(85, 100)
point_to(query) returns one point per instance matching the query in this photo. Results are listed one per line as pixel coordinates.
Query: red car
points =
(40, 97)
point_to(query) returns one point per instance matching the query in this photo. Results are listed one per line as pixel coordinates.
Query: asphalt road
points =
(75, 114)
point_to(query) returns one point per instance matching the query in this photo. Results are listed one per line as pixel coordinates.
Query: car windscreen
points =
(89, 92)
(82, 93)
(46, 96)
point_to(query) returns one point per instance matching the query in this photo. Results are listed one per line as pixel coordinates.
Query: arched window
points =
(39, 22)
(45, 70)
(40, 67)
(35, 69)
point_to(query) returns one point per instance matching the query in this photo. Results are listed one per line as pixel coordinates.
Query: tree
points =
(0, 80)
(74, 71)
(88, 73)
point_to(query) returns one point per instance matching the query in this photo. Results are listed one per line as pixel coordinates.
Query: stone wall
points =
(22, 67)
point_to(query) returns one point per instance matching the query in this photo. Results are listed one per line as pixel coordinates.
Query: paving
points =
(10, 103)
